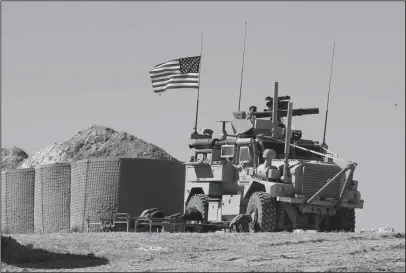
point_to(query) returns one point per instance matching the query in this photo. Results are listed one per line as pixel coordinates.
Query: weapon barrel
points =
(205, 143)
(209, 143)
(284, 113)
(301, 112)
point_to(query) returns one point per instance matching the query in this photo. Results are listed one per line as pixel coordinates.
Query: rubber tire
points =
(200, 203)
(157, 214)
(266, 207)
(147, 212)
(343, 220)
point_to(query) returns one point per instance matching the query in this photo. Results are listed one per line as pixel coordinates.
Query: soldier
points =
(269, 103)
(251, 115)
(268, 155)
(208, 132)
(264, 168)
(252, 109)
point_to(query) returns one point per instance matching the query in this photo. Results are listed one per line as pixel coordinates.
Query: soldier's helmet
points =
(269, 154)
(252, 108)
(208, 132)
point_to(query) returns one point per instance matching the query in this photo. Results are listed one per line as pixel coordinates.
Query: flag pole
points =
(242, 68)
(198, 86)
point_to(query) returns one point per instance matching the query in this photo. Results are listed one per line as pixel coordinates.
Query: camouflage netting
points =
(95, 191)
(52, 198)
(95, 142)
(17, 201)
(12, 158)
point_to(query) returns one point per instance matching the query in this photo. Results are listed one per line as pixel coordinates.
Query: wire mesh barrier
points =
(103, 187)
(52, 198)
(95, 188)
(17, 200)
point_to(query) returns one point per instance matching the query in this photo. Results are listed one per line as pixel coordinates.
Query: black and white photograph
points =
(202, 136)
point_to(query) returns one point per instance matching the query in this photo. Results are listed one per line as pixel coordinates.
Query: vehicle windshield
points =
(295, 153)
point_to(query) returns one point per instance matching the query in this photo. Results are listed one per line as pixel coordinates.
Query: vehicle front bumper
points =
(322, 203)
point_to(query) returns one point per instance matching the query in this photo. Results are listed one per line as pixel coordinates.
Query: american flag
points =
(179, 73)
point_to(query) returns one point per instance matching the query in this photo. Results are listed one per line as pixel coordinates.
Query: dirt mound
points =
(19, 255)
(96, 141)
(12, 158)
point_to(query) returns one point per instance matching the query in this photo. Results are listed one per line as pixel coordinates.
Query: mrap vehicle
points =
(265, 178)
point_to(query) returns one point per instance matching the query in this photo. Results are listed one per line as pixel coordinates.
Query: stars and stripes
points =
(179, 73)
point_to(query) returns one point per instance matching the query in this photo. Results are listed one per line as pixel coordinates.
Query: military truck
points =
(298, 185)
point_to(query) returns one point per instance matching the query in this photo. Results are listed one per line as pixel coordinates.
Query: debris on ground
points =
(96, 141)
(385, 229)
(12, 158)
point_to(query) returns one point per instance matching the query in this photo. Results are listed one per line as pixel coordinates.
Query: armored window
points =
(209, 157)
(245, 156)
(200, 156)
(227, 151)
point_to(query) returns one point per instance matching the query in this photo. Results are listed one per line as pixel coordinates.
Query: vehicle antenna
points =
(328, 96)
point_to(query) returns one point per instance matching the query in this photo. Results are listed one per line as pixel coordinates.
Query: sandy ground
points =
(305, 251)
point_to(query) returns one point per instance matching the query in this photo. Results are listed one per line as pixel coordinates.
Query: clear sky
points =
(68, 65)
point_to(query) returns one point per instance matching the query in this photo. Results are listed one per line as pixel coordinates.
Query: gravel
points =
(96, 141)
(216, 252)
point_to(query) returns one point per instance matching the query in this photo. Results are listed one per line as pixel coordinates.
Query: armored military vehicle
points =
(265, 178)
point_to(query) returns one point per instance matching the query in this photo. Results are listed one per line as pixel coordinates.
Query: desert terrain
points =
(294, 252)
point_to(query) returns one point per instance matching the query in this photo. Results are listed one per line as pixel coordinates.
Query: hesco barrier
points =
(17, 200)
(95, 185)
(103, 187)
(52, 198)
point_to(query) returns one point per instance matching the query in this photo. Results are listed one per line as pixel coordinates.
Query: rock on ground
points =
(96, 141)
(12, 158)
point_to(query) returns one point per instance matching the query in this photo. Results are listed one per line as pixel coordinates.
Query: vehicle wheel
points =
(199, 203)
(262, 209)
(343, 220)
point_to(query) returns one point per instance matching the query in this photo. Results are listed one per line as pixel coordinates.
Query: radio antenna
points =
(242, 69)
(328, 96)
